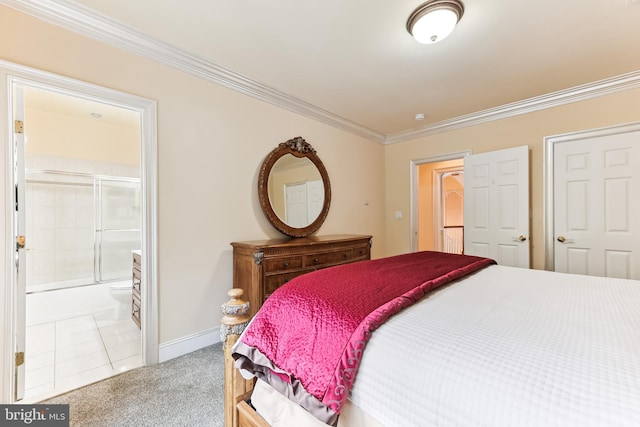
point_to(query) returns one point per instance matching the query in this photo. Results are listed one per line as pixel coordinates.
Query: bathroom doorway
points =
(85, 198)
(83, 221)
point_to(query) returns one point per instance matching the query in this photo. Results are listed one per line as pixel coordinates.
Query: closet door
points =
(597, 205)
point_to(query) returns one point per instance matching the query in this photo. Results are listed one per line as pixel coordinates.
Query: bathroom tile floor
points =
(66, 354)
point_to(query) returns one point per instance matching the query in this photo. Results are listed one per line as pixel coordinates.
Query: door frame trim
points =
(14, 73)
(414, 187)
(548, 166)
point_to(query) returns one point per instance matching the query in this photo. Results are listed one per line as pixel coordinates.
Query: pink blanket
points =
(307, 339)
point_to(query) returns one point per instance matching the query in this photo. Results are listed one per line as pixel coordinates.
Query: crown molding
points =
(577, 93)
(80, 19)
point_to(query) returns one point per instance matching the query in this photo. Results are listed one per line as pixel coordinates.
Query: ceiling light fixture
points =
(434, 20)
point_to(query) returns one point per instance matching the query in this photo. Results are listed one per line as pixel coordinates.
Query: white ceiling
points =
(354, 59)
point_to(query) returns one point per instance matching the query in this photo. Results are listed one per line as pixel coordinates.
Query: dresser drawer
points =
(282, 264)
(271, 283)
(363, 252)
(316, 260)
(327, 258)
(262, 266)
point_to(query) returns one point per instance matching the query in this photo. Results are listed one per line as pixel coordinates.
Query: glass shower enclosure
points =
(81, 228)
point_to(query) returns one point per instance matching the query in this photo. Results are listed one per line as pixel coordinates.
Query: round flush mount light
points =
(434, 20)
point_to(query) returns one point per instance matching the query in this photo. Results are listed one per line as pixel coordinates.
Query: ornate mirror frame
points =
(299, 148)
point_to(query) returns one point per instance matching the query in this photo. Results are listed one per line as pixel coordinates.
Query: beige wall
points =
(61, 135)
(528, 129)
(211, 142)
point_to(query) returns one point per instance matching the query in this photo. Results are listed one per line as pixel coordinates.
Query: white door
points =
(19, 235)
(296, 205)
(496, 206)
(315, 199)
(596, 205)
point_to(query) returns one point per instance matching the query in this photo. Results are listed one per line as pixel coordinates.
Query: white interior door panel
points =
(496, 206)
(597, 205)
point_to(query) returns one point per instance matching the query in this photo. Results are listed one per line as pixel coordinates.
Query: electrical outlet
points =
(398, 215)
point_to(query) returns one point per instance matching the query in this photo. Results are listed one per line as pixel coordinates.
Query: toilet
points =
(122, 293)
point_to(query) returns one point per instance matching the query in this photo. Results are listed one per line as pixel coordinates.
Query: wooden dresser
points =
(262, 266)
(135, 303)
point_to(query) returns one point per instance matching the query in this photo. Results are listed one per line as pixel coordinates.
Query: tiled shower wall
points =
(60, 218)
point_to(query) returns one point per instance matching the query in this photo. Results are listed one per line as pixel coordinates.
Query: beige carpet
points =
(185, 391)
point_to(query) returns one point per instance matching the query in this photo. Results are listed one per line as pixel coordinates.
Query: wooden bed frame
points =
(237, 410)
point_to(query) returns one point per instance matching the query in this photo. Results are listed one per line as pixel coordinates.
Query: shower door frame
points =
(97, 182)
(17, 75)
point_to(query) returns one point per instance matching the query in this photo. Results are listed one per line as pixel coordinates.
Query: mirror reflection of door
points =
(303, 202)
(315, 199)
(296, 204)
(296, 191)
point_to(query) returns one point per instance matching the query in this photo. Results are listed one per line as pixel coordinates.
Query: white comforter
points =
(509, 347)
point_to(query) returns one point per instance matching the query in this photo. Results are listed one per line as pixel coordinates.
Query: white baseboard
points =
(184, 345)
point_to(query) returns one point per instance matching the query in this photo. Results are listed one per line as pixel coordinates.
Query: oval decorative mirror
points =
(294, 189)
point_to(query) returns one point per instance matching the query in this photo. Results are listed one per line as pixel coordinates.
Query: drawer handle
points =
(286, 264)
(345, 256)
(316, 260)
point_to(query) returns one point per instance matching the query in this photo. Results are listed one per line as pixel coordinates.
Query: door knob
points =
(561, 239)
(520, 238)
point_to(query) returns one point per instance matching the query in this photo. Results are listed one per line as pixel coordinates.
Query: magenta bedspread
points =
(307, 339)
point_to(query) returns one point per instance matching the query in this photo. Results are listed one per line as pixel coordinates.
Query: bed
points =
(464, 343)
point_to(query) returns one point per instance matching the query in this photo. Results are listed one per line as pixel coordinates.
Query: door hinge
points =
(19, 358)
(18, 126)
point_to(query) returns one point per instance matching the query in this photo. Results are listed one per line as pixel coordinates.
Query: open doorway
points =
(83, 221)
(79, 221)
(495, 203)
(450, 210)
(438, 203)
